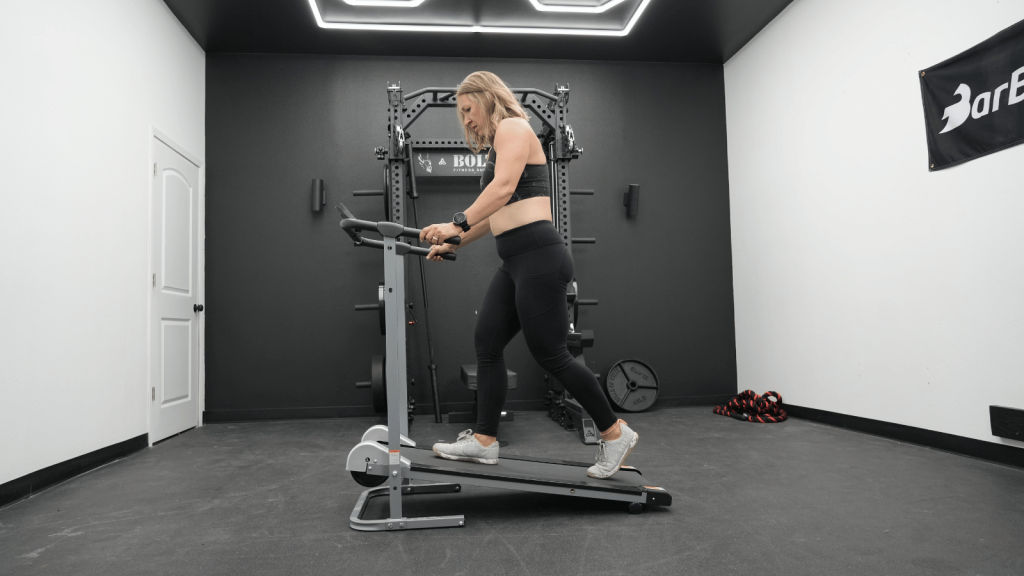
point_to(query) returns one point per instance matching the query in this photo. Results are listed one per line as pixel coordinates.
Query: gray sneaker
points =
(611, 454)
(469, 449)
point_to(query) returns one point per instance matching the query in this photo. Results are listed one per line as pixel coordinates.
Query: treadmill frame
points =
(375, 454)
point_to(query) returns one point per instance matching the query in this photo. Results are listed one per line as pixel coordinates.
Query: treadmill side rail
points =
(657, 496)
(640, 497)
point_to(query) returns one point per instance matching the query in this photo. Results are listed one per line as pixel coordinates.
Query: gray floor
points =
(790, 498)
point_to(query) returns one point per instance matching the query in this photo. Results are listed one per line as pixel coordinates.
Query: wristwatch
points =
(460, 220)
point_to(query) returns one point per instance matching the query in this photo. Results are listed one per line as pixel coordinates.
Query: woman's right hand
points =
(437, 250)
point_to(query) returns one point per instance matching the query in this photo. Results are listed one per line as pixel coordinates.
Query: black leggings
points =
(528, 293)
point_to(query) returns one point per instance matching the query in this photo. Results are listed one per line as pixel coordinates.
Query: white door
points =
(174, 337)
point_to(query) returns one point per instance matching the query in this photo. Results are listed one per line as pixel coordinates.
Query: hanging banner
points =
(974, 102)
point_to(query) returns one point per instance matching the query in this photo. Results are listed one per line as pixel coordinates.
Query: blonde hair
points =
(488, 91)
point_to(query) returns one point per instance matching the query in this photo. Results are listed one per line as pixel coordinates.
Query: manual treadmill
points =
(386, 454)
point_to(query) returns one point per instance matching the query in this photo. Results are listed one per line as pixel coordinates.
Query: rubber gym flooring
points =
(274, 498)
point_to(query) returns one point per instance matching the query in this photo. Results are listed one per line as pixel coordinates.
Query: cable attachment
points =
(400, 133)
(570, 150)
(381, 152)
(395, 94)
(563, 95)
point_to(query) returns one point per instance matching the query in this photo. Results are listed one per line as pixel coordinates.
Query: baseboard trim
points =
(988, 451)
(330, 412)
(710, 400)
(27, 485)
(264, 414)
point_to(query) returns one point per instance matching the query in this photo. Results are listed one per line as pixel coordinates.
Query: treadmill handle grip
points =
(424, 251)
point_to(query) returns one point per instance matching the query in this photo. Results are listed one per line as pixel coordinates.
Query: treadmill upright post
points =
(398, 482)
(394, 284)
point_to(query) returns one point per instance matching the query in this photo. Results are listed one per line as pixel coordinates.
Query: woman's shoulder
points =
(514, 126)
(512, 130)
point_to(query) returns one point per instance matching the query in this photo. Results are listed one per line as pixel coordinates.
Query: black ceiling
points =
(668, 31)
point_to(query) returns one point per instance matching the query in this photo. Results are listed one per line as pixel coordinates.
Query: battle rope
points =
(751, 407)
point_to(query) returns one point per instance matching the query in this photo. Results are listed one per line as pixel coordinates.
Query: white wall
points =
(81, 85)
(864, 284)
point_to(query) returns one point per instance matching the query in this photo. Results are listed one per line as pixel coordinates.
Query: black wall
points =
(283, 339)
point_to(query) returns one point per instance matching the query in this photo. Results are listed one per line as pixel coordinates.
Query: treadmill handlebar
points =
(351, 225)
(401, 247)
(389, 229)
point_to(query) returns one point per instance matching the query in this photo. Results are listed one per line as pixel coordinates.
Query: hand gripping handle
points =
(351, 225)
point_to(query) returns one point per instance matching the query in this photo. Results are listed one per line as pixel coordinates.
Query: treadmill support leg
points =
(358, 523)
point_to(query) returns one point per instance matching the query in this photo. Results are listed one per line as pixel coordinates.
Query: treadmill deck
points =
(536, 475)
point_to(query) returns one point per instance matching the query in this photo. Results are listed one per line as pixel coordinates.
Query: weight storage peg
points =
(379, 307)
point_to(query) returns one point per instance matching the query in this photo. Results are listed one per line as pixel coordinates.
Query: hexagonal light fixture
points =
(589, 13)
(604, 7)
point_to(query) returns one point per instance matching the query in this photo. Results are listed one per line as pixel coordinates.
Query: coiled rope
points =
(751, 407)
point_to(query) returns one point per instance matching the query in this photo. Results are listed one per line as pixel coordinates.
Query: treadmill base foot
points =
(392, 524)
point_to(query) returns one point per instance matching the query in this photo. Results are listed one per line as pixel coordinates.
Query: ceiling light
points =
(584, 9)
(482, 29)
(390, 3)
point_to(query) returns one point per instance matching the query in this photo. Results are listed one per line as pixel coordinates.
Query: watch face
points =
(460, 218)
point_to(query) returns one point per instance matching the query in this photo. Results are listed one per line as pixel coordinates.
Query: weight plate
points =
(378, 384)
(380, 309)
(632, 385)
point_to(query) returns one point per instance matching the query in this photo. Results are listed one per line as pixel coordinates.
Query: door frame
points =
(157, 134)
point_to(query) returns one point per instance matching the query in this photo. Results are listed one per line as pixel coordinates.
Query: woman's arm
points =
(479, 231)
(475, 233)
(512, 139)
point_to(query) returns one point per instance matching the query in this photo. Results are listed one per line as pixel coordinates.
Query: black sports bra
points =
(533, 183)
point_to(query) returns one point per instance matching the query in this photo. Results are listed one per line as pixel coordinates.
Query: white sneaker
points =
(611, 454)
(468, 449)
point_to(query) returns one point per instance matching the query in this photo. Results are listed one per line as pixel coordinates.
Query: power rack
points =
(556, 136)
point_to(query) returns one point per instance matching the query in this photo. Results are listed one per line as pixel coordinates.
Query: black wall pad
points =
(712, 400)
(1007, 422)
(991, 452)
(314, 413)
(326, 412)
(31, 483)
(264, 414)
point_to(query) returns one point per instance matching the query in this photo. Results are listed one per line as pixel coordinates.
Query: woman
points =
(528, 291)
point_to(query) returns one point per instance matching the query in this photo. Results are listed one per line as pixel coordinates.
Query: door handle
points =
(197, 308)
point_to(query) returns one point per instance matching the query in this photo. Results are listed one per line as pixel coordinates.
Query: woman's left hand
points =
(438, 233)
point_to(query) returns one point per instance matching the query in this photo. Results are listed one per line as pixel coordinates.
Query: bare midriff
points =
(520, 214)
(525, 211)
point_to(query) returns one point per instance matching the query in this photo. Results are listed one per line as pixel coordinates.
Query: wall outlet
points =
(1007, 422)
